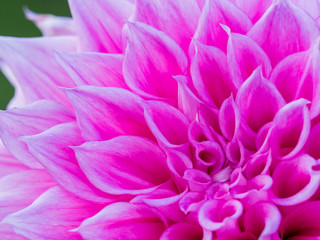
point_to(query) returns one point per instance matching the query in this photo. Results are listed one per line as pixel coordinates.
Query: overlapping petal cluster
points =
(165, 120)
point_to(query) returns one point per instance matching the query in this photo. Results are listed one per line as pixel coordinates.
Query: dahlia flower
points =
(172, 119)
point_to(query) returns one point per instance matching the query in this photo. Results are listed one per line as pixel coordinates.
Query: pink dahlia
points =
(171, 120)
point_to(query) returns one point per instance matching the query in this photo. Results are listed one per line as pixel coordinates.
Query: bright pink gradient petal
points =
(30, 120)
(52, 216)
(283, 30)
(124, 221)
(101, 31)
(139, 167)
(151, 59)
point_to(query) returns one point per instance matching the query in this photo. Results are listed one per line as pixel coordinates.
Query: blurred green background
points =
(13, 23)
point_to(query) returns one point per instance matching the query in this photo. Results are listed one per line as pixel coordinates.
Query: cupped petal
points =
(214, 13)
(209, 71)
(101, 31)
(184, 231)
(124, 221)
(303, 222)
(291, 128)
(244, 56)
(151, 59)
(124, 165)
(97, 69)
(168, 125)
(214, 214)
(30, 120)
(192, 201)
(262, 219)
(294, 181)
(51, 148)
(104, 113)
(283, 30)
(34, 67)
(258, 100)
(51, 25)
(52, 216)
(20, 189)
(161, 15)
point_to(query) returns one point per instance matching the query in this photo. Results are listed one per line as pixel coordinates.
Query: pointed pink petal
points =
(19, 190)
(284, 29)
(52, 216)
(302, 223)
(214, 214)
(244, 56)
(51, 148)
(184, 231)
(103, 113)
(258, 100)
(229, 118)
(188, 101)
(254, 8)
(30, 120)
(139, 166)
(291, 129)
(210, 75)
(161, 15)
(44, 74)
(168, 125)
(97, 69)
(262, 219)
(293, 181)
(151, 59)
(293, 77)
(51, 25)
(124, 221)
(312, 7)
(101, 31)
(8, 164)
(214, 13)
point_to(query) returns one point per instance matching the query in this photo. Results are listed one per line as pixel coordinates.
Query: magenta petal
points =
(283, 30)
(44, 74)
(104, 113)
(214, 13)
(52, 216)
(291, 129)
(124, 165)
(151, 59)
(51, 25)
(312, 7)
(210, 75)
(244, 56)
(161, 15)
(293, 77)
(168, 125)
(9, 164)
(293, 181)
(97, 69)
(124, 221)
(254, 8)
(7, 233)
(29, 183)
(262, 219)
(302, 223)
(258, 100)
(51, 148)
(313, 143)
(214, 214)
(185, 231)
(30, 120)
(101, 31)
